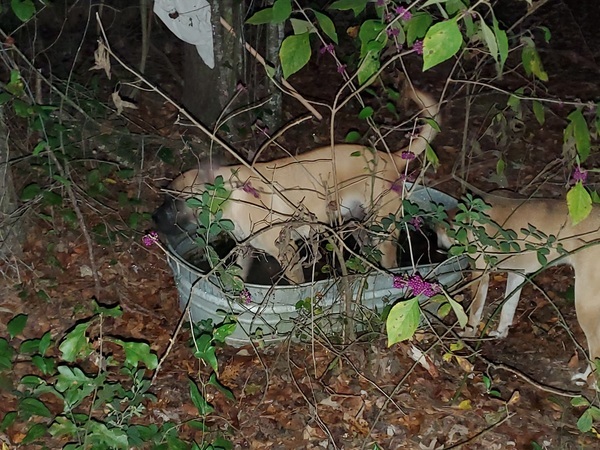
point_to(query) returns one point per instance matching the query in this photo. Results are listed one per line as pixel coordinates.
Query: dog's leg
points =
(479, 290)
(587, 306)
(244, 261)
(287, 253)
(514, 285)
(388, 253)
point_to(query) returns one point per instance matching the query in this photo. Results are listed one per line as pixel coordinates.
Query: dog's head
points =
(175, 217)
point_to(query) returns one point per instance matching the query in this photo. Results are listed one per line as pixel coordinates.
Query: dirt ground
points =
(322, 395)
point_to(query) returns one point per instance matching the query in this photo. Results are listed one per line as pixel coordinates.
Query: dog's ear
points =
(451, 213)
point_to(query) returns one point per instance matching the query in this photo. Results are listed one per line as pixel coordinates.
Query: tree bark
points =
(11, 228)
(207, 91)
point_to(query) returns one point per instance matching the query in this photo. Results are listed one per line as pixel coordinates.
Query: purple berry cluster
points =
(579, 174)
(245, 296)
(417, 285)
(149, 239)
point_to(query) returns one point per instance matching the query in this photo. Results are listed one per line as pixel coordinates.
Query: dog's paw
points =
(469, 331)
(499, 334)
(581, 378)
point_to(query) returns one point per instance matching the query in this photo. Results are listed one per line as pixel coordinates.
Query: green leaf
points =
(32, 381)
(113, 438)
(403, 321)
(369, 66)
(72, 378)
(223, 331)
(126, 174)
(500, 166)
(514, 101)
(579, 203)
(459, 312)
(34, 433)
(538, 111)
(204, 408)
(261, 17)
(136, 352)
(5, 97)
(581, 133)
(417, 27)
(432, 123)
(431, 156)
(216, 383)
(6, 354)
(23, 9)
(282, 10)
(62, 427)
(115, 311)
(8, 419)
(51, 198)
(197, 425)
(207, 354)
(16, 325)
(532, 63)
(357, 6)
(366, 112)
(502, 40)
(326, 25)
(372, 37)
(490, 39)
(62, 180)
(351, 137)
(302, 26)
(442, 41)
(40, 147)
(34, 407)
(22, 109)
(30, 192)
(294, 53)
(46, 365)
(585, 422)
(75, 343)
(547, 33)
(444, 310)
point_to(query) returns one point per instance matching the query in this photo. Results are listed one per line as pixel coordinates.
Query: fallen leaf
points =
(465, 405)
(121, 104)
(574, 361)
(514, 398)
(102, 59)
(464, 364)
(85, 271)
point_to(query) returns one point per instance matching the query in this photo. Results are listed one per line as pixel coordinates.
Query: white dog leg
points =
(244, 261)
(514, 285)
(479, 290)
(580, 378)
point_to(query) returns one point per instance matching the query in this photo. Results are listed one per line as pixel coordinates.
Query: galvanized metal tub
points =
(272, 314)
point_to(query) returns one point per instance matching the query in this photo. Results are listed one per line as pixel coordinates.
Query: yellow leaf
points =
(464, 364)
(514, 398)
(465, 405)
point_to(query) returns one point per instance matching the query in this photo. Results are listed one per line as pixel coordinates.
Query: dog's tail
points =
(430, 110)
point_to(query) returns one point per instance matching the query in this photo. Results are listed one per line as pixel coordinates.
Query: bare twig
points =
(293, 92)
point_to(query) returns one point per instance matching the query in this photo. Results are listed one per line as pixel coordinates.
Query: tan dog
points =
(316, 187)
(550, 217)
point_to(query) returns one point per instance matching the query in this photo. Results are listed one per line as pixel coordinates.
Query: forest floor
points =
(318, 394)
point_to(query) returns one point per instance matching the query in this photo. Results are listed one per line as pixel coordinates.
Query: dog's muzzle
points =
(174, 218)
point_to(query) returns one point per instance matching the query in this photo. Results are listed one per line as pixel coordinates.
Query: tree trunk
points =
(11, 228)
(207, 91)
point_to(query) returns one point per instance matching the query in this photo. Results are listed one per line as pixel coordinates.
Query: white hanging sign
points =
(190, 21)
